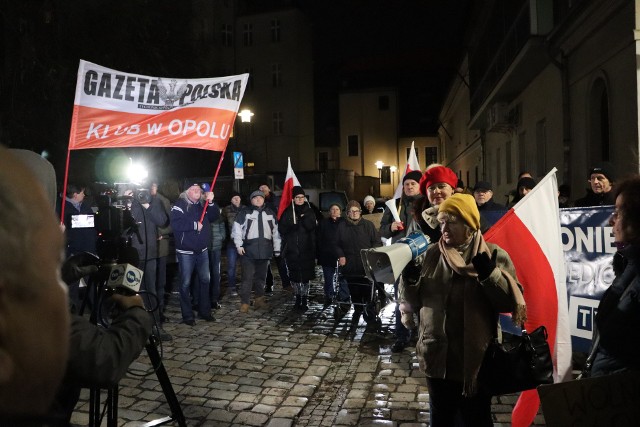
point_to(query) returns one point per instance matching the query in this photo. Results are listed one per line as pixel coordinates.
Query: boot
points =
(303, 304)
(244, 308)
(259, 303)
(298, 303)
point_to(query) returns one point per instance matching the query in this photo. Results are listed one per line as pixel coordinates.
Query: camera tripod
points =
(111, 404)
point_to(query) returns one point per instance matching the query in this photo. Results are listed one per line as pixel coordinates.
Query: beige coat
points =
(458, 314)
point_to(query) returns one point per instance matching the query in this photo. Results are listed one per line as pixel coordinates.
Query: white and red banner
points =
(412, 165)
(530, 233)
(114, 109)
(290, 181)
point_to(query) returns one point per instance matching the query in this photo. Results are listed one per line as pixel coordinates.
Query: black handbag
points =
(521, 362)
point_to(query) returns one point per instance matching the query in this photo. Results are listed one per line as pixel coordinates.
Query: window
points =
(417, 154)
(430, 155)
(353, 146)
(278, 127)
(508, 165)
(227, 35)
(247, 35)
(522, 152)
(383, 102)
(276, 75)
(275, 30)
(541, 147)
(385, 175)
(323, 160)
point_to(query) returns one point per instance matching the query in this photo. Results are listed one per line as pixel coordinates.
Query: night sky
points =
(414, 45)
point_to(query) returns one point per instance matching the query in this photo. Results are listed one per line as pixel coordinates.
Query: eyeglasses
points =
(441, 186)
(355, 211)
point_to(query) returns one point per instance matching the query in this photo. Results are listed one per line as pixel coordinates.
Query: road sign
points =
(238, 165)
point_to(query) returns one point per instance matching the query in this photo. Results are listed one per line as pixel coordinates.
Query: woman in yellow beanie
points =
(459, 289)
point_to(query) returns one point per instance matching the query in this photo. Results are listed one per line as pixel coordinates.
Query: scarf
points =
(474, 336)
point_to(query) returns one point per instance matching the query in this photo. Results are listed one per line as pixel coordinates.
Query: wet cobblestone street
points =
(277, 367)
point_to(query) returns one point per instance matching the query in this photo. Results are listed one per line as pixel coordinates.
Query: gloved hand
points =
(484, 265)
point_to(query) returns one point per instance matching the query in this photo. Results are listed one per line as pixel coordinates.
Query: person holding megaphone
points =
(459, 288)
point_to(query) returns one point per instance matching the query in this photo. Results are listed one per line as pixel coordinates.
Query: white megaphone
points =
(384, 264)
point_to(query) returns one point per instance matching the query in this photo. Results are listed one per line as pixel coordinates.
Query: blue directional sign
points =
(238, 165)
(238, 161)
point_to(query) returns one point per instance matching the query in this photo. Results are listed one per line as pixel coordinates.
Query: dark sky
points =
(414, 45)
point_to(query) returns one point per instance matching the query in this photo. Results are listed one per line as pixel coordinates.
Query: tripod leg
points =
(165, 383)
(94, 407)
(112, 407)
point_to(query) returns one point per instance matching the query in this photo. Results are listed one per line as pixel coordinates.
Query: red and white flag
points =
(412, 165)
(530, 233)
(290, 181)
(115, 109)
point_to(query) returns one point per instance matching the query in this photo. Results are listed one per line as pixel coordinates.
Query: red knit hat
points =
(435, 175)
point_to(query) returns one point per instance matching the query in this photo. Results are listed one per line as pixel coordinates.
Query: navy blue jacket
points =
(185, 216)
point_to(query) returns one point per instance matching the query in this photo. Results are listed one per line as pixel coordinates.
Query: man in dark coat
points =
(601, 178)
(297, 227)
(483, 194)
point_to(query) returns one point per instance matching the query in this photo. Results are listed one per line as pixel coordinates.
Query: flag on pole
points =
(115, 109)
(290, 181)
(412, 165)
(530, 233)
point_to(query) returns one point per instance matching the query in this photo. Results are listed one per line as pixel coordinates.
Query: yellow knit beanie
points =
(463, 206)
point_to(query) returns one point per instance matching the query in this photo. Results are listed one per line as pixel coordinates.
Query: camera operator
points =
(34, 350)
(98, 356)
(148, 214)
(34, 319)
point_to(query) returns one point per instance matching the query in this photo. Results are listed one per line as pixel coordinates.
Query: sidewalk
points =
(280, 368)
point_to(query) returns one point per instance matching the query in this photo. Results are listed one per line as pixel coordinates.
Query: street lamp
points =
(245, 115)
(393, 170)
(379, 165)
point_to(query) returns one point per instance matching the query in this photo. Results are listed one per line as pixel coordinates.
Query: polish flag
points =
(412, 165)
(530, 233)
(290, 181)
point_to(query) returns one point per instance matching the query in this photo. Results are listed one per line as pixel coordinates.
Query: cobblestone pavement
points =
(278, 368)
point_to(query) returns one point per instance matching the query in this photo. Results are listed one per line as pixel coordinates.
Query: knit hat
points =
(297, 191)
(526, 182)
(463, 206)
(369, 199)
(438, 174)
(193, 184)
(234, 194)
(414, 175)
(483, 185)
(605, 168)
(256, 193)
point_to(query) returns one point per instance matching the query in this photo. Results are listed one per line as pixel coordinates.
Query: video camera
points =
(114, 223)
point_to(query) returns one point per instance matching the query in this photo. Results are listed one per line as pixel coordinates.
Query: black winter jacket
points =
(299, 242)
(352, 237)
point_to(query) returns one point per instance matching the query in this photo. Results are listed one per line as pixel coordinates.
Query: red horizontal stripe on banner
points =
(202, 128)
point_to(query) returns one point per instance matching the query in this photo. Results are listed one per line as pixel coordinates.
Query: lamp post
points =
(379, 165)
(245, 117)
(393, 170)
